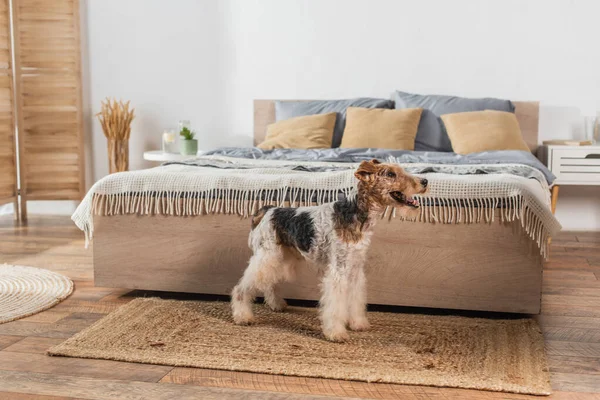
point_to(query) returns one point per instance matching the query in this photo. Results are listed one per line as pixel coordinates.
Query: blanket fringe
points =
(246, 203)
(469, 211)
(242, 203)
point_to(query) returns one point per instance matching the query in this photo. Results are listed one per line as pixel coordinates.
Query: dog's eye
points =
(391, 174)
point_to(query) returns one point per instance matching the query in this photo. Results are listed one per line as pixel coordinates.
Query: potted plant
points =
(188, 146)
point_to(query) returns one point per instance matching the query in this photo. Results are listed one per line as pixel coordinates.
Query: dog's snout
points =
(424, 182)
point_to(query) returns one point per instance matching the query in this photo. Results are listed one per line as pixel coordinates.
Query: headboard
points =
(527, 113)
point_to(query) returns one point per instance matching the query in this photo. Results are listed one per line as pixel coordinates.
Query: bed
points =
(492, 262)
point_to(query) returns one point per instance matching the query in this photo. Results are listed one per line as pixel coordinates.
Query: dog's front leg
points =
(334, 304)
(357, 300)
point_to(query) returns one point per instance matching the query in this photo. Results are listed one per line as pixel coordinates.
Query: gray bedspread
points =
(401, 156)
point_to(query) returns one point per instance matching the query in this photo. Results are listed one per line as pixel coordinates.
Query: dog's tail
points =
(259, 215)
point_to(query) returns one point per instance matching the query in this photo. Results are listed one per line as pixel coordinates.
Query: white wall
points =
(167, 58)
(207, 60)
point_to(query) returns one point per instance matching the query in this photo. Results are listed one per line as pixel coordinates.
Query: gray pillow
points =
(432, 135)
(291, 109)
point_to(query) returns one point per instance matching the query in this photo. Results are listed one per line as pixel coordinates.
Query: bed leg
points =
(553, 201)
(554, 198)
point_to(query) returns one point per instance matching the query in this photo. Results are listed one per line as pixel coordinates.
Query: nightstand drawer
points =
(575, 165)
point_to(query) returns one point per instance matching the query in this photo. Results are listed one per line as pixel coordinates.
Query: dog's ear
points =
(366, 169)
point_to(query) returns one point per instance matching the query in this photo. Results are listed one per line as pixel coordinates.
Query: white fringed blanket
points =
(224, 185)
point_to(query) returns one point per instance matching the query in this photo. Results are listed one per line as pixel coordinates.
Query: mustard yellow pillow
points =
(306, 132)
(381, 128)
(475, 131)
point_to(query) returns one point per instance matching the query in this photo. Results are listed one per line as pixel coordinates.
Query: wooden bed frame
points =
(490, 267)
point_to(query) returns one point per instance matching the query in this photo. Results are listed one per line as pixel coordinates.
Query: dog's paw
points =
(278, 306)
(337, 336)
(243, 318)
(359, 324)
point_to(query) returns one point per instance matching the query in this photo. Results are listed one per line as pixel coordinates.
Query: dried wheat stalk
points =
(115, 118)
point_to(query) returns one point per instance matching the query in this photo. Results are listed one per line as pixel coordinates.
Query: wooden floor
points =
(570, 321)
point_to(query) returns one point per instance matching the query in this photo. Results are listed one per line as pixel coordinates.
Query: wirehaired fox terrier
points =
(334, 237)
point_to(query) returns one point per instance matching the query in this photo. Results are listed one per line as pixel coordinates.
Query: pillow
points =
(378, 128)
(289, 109)
(432, 135)
(472, 132)
(309, 132)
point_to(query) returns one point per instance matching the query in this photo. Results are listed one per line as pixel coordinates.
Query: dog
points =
(334, 237)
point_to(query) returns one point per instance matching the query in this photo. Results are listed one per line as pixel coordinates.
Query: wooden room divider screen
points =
(8, 156)
(41, 123)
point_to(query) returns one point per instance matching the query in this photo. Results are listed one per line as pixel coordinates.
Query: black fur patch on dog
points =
(348, 220)
(344, 212)
(294, 230)
(258, 216)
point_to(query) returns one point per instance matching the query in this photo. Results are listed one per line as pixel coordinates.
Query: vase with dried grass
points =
(115, 118)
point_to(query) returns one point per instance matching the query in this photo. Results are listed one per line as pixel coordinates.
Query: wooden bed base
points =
(490, 267)
(459, 266)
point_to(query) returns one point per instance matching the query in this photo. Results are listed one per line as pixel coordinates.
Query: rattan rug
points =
(491, 354)
(26, 291)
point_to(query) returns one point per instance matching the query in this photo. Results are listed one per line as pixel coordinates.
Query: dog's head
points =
(389, 185)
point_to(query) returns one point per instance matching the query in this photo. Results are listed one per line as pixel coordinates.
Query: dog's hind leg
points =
(274, 299)
(265, 270)
(244, 292)
(284, 270)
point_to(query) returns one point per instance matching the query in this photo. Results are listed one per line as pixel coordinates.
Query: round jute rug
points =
(26, 291)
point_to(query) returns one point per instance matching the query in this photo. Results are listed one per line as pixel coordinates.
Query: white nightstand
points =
(159, 155)
(572, 165)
